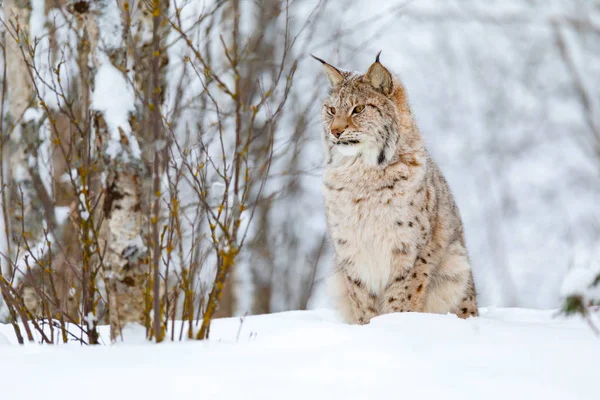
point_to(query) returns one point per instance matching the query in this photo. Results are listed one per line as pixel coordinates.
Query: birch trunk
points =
(125, 257)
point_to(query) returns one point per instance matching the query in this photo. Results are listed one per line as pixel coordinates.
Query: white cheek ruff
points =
(370, 155)
(348, 149)
(369, 152)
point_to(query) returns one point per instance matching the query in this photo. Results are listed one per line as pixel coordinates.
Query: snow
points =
(109, 23)
(38, 18)
(114, 97)
(133, 334)
(84, 212)
(89, 319)
(505, 353)
(61, 213)
(33, 115)
(4, 340)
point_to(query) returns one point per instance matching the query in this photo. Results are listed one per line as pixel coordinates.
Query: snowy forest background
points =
(506, 93)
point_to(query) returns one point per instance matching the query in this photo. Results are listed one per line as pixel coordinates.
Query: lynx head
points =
(362, 115)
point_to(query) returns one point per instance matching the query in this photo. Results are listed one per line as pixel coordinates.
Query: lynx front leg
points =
(468, 304)
(407, 290)
(363, 302)
(354, 301)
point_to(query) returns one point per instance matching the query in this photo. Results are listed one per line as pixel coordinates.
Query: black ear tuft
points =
(333, 74)
(379, 77)
(318, 59)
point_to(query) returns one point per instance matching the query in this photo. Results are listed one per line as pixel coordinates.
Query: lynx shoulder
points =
(395, 228)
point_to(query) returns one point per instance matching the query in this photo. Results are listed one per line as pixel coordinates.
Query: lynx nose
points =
(338, 130)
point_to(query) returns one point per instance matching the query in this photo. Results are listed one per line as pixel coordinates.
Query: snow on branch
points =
(114, 97)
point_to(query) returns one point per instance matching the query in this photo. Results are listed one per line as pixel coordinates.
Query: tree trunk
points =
(126, 257)
(125, 262)
(19, 95)
(30, 205)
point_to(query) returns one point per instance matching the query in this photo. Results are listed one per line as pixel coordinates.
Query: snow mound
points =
(4, 340)
(505, 353)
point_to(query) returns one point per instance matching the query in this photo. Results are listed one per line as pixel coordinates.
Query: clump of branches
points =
(140, 137)
(583, 299)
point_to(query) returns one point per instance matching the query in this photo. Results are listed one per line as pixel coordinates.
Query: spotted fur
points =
(397, 233)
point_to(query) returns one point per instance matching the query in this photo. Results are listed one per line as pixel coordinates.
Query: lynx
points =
(397, 233)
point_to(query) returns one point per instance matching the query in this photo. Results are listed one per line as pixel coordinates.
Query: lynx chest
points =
(376, 231)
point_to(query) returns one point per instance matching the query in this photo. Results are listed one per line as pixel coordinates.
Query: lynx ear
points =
(333, 74)
(379, 77)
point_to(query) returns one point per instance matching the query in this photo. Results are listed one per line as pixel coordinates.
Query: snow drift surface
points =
(504, 354)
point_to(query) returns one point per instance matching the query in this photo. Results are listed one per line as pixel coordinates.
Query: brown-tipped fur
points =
(397, 234)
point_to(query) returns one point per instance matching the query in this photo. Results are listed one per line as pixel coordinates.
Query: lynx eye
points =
(358, 109)
(331, 110)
